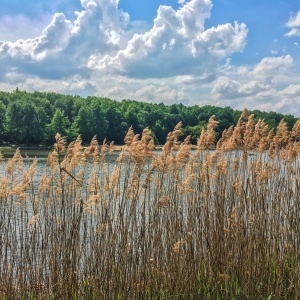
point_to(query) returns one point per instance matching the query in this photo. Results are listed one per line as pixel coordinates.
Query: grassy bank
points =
(178, 224)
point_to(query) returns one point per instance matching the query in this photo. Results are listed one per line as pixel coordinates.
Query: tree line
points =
(34, 118)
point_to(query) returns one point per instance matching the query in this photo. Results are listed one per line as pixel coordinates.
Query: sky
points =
(242, 54)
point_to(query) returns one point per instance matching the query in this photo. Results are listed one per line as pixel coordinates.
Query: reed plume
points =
(218, 222)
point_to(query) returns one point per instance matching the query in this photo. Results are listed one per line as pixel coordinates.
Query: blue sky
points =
(220, 52)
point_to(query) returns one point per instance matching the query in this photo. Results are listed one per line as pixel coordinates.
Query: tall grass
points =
(174, 224)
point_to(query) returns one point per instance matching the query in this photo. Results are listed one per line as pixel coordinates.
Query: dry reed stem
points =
(147, 225)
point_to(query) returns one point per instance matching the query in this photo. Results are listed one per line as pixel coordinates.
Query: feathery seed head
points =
(60, 145)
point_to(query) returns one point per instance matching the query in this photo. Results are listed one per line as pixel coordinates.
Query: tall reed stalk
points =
(218, 222)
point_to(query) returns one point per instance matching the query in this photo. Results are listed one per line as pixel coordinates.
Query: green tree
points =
(2, 122)
(117, 127)
(91, 121)
(29, 119)
(194, 131)
(14, 121)
(160, 132)
(134, 118)
(59, 124)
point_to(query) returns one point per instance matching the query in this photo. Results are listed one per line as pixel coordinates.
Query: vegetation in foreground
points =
(178, 224)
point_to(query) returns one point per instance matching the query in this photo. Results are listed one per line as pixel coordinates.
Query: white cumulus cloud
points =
(97, 44)
(263, 86)
(64, 46)
(294, 25)
(177, 44)
(178, 58)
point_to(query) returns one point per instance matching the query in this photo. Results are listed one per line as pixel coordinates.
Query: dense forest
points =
(35, 118)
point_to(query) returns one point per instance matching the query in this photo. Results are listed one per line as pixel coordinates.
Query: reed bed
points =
(218, 222)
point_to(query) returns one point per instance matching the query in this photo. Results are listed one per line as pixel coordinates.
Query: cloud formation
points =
(177, 42)
(64, 47)
(262, 86)
(178, 59)
(294, 25)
